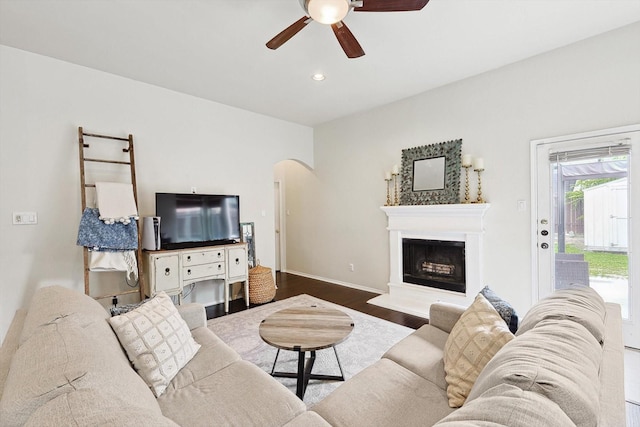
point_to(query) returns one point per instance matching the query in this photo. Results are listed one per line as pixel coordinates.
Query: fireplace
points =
(434, 263)
(446, 262)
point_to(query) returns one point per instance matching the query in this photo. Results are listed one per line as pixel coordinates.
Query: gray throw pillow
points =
(503, 308)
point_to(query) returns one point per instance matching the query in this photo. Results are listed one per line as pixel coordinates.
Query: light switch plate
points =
(25, 218)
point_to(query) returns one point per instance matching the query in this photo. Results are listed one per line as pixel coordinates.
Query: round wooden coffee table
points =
(305, 329)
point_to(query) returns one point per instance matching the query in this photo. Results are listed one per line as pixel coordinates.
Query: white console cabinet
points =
(172, 270)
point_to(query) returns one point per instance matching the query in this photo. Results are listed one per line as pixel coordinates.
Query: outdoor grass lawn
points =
(603, 264)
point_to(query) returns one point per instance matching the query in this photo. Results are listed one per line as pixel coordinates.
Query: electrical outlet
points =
(351, 267)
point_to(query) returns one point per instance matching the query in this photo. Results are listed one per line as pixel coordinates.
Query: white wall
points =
(180, 142)
(335, 216)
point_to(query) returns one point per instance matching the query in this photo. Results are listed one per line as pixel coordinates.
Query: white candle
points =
(387, 176)
(466, 160)
(478, 163)
(395, 169)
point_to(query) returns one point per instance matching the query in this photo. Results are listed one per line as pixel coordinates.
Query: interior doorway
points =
(583, 213)
(277, 203)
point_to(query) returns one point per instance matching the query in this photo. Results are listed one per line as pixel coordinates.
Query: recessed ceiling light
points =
(318, 77)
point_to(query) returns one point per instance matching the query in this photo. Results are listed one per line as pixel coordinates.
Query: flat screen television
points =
(195, 220)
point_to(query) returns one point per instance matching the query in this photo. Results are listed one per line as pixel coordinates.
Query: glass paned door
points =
(583, 210)
(590, 218)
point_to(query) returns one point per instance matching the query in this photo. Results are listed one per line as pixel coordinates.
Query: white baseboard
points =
(405, 305)
(335, 282)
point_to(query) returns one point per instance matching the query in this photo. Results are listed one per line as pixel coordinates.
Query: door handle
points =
(544, 245)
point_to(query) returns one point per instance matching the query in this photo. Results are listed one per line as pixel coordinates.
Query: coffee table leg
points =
(304, 372)
(301, 375)
(274, 362)
(339, 364)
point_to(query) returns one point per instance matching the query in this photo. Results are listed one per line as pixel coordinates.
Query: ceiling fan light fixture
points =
(327, 11)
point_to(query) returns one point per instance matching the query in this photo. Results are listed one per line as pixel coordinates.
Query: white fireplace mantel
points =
(460, 223)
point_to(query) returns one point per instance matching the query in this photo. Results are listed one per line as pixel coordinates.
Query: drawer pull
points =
(189, 258)
(189, 272)
(219, 267)
(237, 261)
(167, 271)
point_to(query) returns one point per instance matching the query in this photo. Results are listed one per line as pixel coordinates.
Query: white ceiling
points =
(215, 49)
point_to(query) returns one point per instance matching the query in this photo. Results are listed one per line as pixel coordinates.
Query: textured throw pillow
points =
(503, 308)
(474, 340)
(157, 341)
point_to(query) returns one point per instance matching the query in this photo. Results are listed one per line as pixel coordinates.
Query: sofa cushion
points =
(240, 394)
(51, 303)
(473, 341)
(422, 353)
(444, 315)
(10, 345)
(157, 341)
(612, 403)
(194, 314)
(580, 304)
(508, 406)
(504, 309)
(213, 356)
(95, 407)
(384, 394)
(67, 355)
(308, 419)
(558, 359)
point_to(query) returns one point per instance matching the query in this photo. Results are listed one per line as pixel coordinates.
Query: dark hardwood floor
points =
(291, 285)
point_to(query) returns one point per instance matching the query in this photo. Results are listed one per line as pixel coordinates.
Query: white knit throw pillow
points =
(157, 340)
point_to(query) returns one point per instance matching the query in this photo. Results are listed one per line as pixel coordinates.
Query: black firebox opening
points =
(435, 263)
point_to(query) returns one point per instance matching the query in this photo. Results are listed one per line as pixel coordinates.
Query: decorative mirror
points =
(248, 232)
(431, 174)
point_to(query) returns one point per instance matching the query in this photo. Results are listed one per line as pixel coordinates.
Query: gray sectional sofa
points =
(61, 364)
(563, 368)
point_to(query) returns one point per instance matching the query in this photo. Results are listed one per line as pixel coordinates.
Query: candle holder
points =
(479, 199)
(396, 199)
(388, 181)
(466, 183)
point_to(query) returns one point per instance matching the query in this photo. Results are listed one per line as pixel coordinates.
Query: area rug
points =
(369, 340)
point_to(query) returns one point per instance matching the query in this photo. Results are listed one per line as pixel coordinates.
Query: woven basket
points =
(262, 289)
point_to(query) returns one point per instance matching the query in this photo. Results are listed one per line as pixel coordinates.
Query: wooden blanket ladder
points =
(85, 186)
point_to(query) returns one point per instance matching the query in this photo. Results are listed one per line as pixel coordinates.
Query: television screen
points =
(193, 220)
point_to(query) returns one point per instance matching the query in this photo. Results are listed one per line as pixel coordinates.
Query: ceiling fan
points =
(331, 12)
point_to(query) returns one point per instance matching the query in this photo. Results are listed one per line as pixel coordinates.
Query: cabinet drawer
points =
(202, 257)
(166, 273)
(204, 270)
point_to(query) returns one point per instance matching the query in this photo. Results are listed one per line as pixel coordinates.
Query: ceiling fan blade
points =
(347, 40)
(390, 5)
(288, 32)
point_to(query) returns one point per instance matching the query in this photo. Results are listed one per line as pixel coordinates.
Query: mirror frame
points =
(450, 194)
